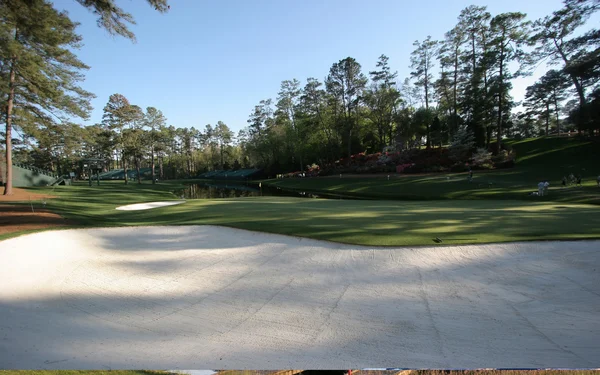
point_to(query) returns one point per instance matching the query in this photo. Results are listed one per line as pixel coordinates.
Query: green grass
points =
(384, 223)
(540, 159)
(424, 207)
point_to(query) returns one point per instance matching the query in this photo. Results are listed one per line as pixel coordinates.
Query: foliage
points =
(461, 147)
(504, 159)
(458, 88)
(39, 71)
(114, 19)
(482, 158)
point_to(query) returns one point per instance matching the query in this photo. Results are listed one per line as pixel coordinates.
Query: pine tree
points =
(547, 92)
(509, 33)
(40, 73)
(114, 19)
(155, 121)
(382, 98)
(475, 103)
(555, 43)
(422, 61)
(345, 84)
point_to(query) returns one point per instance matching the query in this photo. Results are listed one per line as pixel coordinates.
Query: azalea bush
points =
(453, 159)
(482, 159)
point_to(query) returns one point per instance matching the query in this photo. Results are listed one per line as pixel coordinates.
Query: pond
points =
(225, 190)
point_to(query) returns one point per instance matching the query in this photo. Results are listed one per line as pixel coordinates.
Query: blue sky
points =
(207, 61)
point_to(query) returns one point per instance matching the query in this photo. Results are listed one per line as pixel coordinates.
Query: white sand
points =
(147, 205)
(210, 297)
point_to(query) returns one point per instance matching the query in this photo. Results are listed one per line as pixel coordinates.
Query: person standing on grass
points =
(470, 174)
(541, 189)
(564, 181)
(546, 185)
(578, 180)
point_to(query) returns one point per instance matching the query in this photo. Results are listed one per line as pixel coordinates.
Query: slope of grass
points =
(540, 159)
(384, 223)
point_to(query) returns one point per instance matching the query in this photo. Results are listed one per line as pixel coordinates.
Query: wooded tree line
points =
(462, 81)
(459, 83)
(40, 73)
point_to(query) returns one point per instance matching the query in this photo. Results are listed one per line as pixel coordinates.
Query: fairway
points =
(280, 194)
(181, 297)
(361, 222)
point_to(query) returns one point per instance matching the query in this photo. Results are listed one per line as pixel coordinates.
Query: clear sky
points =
(211, 60)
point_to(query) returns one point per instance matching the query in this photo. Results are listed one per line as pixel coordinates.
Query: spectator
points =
(564, 181)
(541, 189)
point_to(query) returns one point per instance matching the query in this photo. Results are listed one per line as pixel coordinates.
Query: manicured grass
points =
(384, 223)
(540, 159)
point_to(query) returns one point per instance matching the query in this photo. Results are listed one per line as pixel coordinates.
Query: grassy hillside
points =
(555, 157)
(541, 159)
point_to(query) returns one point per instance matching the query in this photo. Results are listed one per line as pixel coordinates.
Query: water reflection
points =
(217, 191)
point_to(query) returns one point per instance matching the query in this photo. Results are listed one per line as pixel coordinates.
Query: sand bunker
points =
(211, 297)
(147, 205)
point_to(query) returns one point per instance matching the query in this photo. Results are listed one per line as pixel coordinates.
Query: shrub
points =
(462, 145)
(414, 168)
(434, 169)
(505, 159)
(401, 167)
(482, 159)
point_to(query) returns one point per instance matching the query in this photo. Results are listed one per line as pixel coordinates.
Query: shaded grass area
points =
(539, 159)
(382, 223)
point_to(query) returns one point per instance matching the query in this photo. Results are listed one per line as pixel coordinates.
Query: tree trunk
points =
(8, 188)
(556, 113)
(152, 165)
(426, 85)
(221, 149)
(500, 94)
(124, 168)
(455, 104)
(160, 161)
(137, 167)
(578, 87)
(547, 117)
(576, 83)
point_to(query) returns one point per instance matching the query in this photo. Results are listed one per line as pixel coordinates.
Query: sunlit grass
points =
(370, 222)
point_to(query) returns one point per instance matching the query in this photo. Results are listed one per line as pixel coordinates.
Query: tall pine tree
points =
(40, 73)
